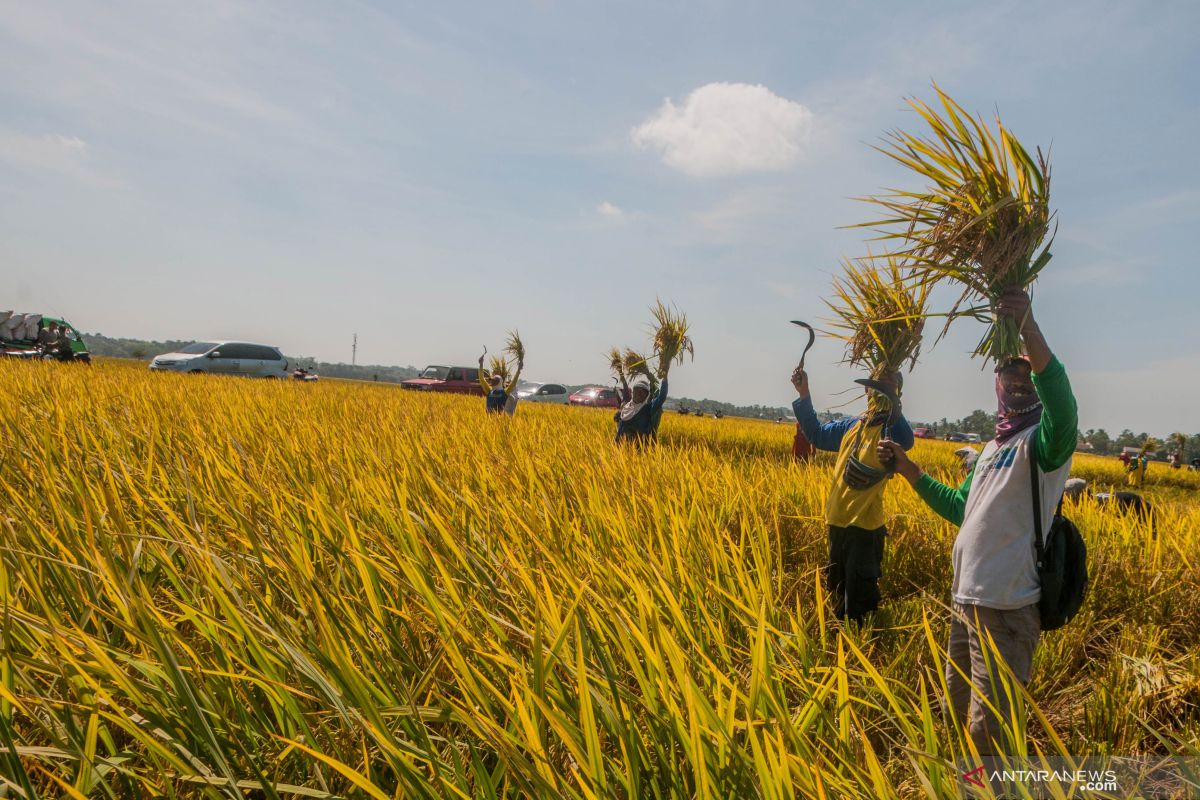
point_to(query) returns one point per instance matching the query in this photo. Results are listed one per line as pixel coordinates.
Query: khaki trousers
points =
(975, 680)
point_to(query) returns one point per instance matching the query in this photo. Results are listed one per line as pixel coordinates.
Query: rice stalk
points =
(616, 365)
(515, 348)
(635, 364)
(879, 312)
(215, 586)
(982, 219)
(671, 340)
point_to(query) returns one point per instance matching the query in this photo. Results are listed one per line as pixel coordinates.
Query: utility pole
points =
(354, 352)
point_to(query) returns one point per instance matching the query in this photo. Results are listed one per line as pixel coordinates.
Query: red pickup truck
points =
(455, 380)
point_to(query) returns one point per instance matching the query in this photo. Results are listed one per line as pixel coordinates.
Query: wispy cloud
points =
(51, 152)
(611, 212)
(727, 129)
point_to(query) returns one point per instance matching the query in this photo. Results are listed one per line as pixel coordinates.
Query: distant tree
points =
(1100, 441)
(1129, 439)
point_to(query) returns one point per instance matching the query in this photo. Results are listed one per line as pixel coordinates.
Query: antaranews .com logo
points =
(1103, 776)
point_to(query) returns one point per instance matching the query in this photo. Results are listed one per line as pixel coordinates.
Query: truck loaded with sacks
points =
(24, 335)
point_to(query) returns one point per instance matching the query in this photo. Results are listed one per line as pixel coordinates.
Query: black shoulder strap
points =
(1035, 483)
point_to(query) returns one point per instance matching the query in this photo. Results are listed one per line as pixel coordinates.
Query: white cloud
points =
(49, 152)
(727, 129)
(611, 212)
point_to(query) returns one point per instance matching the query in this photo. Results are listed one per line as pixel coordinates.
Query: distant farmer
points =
(996, 587)
(47, 336)
(62, 344)
(802, 449)
(499, 396)
(1135, 471)
(637, 418)
(854, 515)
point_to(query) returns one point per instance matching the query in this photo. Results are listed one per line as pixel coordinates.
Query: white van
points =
(225, 358)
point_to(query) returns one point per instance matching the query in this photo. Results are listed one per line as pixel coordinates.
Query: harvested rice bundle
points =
(880, 314)
(636, 364)
(982, 219)
(616, 364)
(515, 348)
(513, 354)
(671, 340)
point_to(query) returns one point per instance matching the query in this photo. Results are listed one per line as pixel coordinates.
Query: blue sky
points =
(429, 175)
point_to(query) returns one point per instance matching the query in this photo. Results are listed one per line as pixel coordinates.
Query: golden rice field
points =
(231, 588)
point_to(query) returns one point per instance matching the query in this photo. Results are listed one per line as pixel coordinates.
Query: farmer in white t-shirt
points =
(996, 589)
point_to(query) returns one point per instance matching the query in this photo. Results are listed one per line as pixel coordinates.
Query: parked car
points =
(454, 380)
(924, 432)
(956, 437)
(543, 393)
(974, 438)
(225, 358)
(596, 396)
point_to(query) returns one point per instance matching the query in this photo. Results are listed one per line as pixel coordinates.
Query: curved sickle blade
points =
(888, 392)
(812, 337)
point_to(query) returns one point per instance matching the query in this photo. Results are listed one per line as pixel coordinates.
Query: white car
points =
(974, 438)
(543, 393)
(225, 358)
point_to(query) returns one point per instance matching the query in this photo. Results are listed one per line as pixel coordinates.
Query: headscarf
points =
(1015, 412)
(632, 407)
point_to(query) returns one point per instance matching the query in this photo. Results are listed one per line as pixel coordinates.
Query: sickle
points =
(858, 475)
(812, 337)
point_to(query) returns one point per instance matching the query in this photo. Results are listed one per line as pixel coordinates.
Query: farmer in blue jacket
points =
(637, 420)
(854, 514)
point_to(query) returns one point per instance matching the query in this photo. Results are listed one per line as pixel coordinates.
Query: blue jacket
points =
(496, 398)
(829, 436)
(644, 424)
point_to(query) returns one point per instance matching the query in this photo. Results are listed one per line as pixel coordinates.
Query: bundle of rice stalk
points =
(636, 364)
(982, 219)
(1149, 446)
(515, 348)
(671, 341)
(879, 312)
(616, 364)
(497, 365)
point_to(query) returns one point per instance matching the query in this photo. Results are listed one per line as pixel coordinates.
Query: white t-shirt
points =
(995, 563)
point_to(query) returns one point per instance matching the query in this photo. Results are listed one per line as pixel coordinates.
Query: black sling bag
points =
(1061, 560)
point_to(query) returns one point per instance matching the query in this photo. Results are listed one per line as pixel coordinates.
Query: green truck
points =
(27, 336)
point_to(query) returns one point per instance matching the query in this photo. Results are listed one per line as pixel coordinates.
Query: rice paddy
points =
(231, 588)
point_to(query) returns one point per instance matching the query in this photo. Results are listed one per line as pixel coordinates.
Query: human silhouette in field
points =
(854, 514)
(638, 417)
(996, 587)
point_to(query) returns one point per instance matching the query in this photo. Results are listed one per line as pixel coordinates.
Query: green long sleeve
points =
(1058, 431)
(948, 502)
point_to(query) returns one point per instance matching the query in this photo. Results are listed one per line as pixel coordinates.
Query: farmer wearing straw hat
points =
(637, 418)
(996, 588)
(854, 513)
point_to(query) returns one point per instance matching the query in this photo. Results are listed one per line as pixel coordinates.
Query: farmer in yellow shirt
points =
(854, 513)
